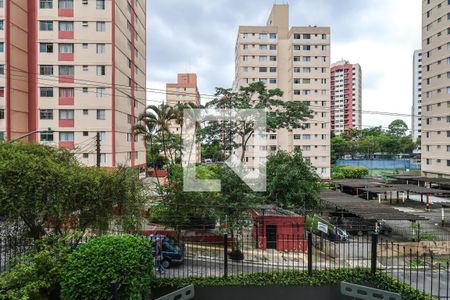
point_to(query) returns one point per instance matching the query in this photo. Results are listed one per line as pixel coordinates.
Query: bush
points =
(37, 275)
(91, 269)
(344, 172)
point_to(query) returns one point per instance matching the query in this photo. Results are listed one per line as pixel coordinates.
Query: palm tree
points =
(155, 120)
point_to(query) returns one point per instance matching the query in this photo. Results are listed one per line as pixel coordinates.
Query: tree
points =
(236, 134)
(398, 128)
(339, 148)
(291, 182)
(184, 210)
(46, 188)
(213, 151)
(233, 204)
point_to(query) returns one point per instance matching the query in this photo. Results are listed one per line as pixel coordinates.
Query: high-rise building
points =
(79, 68)
(346, 97)
(297, 61)
(416, 118)
(435, 89)
(184, 91)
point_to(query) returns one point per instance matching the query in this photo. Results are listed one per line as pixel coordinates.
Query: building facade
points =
(435, 89)
(296, 60)
(184, 91)
(79, 68)
(416, 112)
(346, 97)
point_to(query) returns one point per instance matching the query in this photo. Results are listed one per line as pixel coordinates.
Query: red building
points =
(280, 229)
(346, 97)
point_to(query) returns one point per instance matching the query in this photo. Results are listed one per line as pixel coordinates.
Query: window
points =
(46, 114)
(306, 36)
(103, 158)
(297, 136)
(85, 90)
(46, 25)
(101, 114)
(2, 114)
(262, 69)
(306, 47)
(65, 48)
(101, 26)
(66, 70)
(101, 70)
(66, 92)
(85, 45)
(65, 4)
(100, 4)
(66, 26)
(66, 136)
(2, 69)
(297, 36)
(46, 137)
(272, 47)
(85, 23)
(2, 47)
(46, 47)
(45, 4)
(2, 25)
(101, 92)
(272, 36)
(85, 155)
(85, 68)
(66, 114)
(101, 48)
(85, 112)
(46, 92)
(46, 70)
(272, 69)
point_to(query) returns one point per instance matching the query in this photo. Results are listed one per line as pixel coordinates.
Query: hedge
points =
(90, 269)
(343, 172)
(293, 277)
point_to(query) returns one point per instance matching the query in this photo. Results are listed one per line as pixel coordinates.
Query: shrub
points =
(37, 275)
(343, 172)
(91, 269)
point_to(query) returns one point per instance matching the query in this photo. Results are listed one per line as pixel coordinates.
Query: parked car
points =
(337, 234)
(172, 253)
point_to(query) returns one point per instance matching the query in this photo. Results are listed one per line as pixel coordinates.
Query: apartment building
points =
(435, 88)
(296, 60)
(79, 68)
(184, 91)
(416, 112)
(346, 97)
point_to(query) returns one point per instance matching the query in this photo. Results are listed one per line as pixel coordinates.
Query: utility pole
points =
(98, 148)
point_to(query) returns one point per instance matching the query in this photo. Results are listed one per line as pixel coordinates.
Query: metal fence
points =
(424, 267)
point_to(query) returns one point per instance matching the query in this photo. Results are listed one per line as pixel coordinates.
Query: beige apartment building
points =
(184, 91)
(435, 136)
(79, 68)
(296, 60)
(346, 97)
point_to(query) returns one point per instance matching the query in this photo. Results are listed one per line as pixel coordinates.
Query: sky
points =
(199, 36)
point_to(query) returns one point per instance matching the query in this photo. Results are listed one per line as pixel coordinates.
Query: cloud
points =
(199, 36)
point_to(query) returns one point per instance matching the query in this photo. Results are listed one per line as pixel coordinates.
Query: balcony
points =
(65, 12)
(66, 123)
(69, 145)
(66, 78)
(66, 35)
(66, 101)
(66, 57)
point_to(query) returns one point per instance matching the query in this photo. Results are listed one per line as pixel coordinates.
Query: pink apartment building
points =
(79, 68)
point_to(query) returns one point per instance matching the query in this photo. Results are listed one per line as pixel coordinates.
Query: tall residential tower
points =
(346, 97)
(416, 118)
(79, 68)
(435, 88)
(296, 60)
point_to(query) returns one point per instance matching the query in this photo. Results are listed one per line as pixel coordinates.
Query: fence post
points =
(373, 261)
(225, 255)
(310, 249)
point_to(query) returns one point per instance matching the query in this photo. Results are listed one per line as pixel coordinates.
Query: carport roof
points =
(366, 209)
(405, 188)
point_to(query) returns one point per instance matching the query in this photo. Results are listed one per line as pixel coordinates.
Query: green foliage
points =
(299, 278)
(291, 183)
(184, 210)
(236, 134)
(91, 268)
(369, 141)
(37, 276)
(213, 151)
(344, 172)
(45, 187)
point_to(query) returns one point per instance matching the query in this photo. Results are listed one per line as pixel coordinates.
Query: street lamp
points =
(49, 130)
